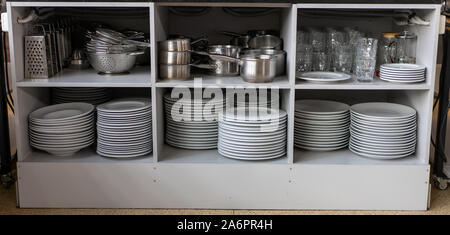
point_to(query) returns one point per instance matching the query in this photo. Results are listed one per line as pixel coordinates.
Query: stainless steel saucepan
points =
(224, 68)
(180, 44)
(179, 71)
(279, 55)
(253, 68)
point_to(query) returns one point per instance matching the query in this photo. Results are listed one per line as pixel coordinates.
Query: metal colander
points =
(113, 63)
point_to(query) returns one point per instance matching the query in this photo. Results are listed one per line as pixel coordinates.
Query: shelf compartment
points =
(171, 154)
(84, 155)
(223, 82)
(138, 77)
(346, 157)
(377, 84)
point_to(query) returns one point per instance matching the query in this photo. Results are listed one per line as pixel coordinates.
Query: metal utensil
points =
(178, 71)
(280, 57)
(180, 44)
(253, 68)
(224, 68)
(174, 57)
(240, 40)
(265, 42)
(113, 63)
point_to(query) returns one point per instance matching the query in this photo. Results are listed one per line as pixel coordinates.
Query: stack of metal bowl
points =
(111, 52)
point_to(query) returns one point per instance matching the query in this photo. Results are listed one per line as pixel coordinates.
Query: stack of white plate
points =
(321, 125)
(192, 123)
(62, 129)
(404, 73)
(252, 133)
(91, 95)
(383, 130)
(242, 101)
(124, 128)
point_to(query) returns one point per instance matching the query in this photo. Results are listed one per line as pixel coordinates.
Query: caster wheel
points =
(441, 184)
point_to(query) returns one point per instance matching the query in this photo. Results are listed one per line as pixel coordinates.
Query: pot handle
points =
(217, 57)
(199, 40)
(231, 34)
(205, 66)
(136, 53)
(137, 43)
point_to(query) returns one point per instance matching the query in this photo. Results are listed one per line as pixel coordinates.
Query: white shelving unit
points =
(177, 178)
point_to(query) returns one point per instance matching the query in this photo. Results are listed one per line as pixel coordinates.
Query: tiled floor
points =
(440, 204)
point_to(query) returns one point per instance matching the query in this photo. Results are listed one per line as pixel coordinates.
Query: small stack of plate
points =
(62, 129)
(404, 73)
(91, 95)
(383, 130)
(192, 123)
(321, 125)
(252, 133)
(124, 128)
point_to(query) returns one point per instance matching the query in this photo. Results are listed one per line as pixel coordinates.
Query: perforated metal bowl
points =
(113, 63)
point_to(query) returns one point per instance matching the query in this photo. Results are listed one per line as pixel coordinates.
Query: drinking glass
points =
(366, 48)
(334, 39)
(343, 58)
(303, 37)
(321, 61)
(317, 38)
(304, 58)
(364, 69)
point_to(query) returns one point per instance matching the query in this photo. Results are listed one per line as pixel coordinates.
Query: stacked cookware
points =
(113, 52)
(174, 59)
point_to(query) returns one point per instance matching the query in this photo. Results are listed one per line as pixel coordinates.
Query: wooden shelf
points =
(352, 84)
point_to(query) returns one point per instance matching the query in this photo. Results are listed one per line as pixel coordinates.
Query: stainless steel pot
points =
(178, 71)
(174, 57)
(279, 55)
(224, 68)
(253, 68)
(265, 42)
(180, 44)
(240, 40)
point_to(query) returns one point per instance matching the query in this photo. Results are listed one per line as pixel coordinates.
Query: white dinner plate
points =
(383, 110)
(321, 107)
(318, 76)
(402, 67)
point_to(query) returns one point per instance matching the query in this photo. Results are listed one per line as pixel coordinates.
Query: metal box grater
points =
(36, 53)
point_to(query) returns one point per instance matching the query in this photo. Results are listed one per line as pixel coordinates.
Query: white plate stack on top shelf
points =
(124, 128)
(62, 129)
(192, 123)
(402, 73)
(252, 133)
(321, 125)
(91, 95)
(383, 130)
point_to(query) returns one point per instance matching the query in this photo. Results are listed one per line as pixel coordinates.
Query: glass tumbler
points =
(406, 47)
(321, 61)
(304, 58)
(366, 59)
(318, 39)
(343, 58)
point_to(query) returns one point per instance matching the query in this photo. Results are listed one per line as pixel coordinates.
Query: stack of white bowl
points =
(124, 128)
(383, 130)
(91, 95)
(192, 123)
(253, 133)
(321, 125)
(403, 73)
(62, 129)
